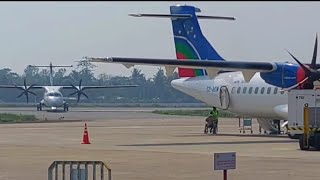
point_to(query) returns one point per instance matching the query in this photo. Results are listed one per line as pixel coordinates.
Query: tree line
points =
(152, 90)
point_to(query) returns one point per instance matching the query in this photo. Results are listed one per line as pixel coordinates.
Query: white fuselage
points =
(255, 99)
(52, 97)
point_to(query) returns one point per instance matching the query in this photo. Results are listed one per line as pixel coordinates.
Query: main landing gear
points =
(39, 107)
(65, 107)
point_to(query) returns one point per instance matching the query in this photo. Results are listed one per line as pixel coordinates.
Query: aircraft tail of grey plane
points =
(51, 70)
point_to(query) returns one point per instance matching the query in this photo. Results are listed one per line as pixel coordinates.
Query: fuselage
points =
(53, 97)
(229, 91)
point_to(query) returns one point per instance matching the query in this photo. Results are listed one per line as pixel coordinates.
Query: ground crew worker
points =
(208, 124)
(214, 114)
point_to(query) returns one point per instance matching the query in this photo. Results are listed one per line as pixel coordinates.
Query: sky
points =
(38, 33)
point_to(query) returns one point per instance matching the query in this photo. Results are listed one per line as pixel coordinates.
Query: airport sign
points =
(224, 161)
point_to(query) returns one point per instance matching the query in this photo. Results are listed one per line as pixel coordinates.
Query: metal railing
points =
(77, 170)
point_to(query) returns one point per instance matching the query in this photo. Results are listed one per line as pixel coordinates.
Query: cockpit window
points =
(55, 94)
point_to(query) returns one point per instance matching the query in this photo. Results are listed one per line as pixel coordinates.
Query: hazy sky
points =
(62, 32)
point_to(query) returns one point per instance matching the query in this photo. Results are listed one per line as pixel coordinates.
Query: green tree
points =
(137, 78)
(86, 72)
(31, 74)
(59, 77)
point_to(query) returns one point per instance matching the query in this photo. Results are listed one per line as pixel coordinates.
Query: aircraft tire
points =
(317, 141)
(39, 107)
(302, 147)
(66, 107)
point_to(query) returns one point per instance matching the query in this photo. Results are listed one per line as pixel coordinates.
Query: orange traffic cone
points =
(85, 135)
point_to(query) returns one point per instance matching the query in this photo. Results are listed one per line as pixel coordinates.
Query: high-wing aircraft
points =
(52, 97)
(252, 89)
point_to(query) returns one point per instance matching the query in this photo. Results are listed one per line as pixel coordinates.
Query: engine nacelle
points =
(284, 76)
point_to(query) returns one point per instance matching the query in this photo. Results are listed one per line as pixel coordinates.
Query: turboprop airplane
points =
(52, 97)
(250, 89)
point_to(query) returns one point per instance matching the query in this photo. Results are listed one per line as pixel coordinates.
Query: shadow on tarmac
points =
(209, 143)
(237, 135)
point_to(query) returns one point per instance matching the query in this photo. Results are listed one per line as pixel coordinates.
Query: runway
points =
(137, 144)
(92, 113)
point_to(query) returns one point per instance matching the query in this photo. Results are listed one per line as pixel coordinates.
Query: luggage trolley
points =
(245, 125)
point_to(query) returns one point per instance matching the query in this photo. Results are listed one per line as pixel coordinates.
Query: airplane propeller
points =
(26, 90)
(79, 91)
(311, 73)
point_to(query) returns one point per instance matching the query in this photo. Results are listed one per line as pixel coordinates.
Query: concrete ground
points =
(137, 144)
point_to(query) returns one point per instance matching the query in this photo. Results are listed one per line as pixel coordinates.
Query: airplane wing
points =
(79, 90)
(213, 67)
(25, 89)
(100, 87)
(20, 87)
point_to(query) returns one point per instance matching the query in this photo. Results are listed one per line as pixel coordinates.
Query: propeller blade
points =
(73, 93)
(24, 83)
(80, 83)
(27, 98)
(289, 88)
(74, 86)
(20, 94)
(31, 86)
(78, 98)
(303, 66)
(314, 57)
(32, 93)
(85, 95)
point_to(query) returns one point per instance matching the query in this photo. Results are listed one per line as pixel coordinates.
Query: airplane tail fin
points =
(51, 70)
(189, 41)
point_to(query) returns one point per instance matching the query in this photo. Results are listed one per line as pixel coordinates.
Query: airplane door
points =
(224, 97)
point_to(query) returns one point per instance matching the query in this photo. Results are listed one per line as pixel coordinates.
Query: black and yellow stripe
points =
(301, 129)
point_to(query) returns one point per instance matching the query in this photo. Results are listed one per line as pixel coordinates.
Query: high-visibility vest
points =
(214, 114)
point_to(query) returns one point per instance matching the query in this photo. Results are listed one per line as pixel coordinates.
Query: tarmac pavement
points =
(141, 145)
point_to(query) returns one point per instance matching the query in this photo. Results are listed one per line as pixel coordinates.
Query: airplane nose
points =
(177, 83)
(55, 101)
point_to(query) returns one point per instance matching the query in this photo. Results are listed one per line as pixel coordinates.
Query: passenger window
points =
(268, 90)
(282, 92)
(275, 90)
(233, 90)
(262, 90)
(256, 90)
(238, 90)
(250, 90)
(244, 90)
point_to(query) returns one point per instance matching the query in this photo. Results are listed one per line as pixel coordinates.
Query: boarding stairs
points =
(268, 125)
